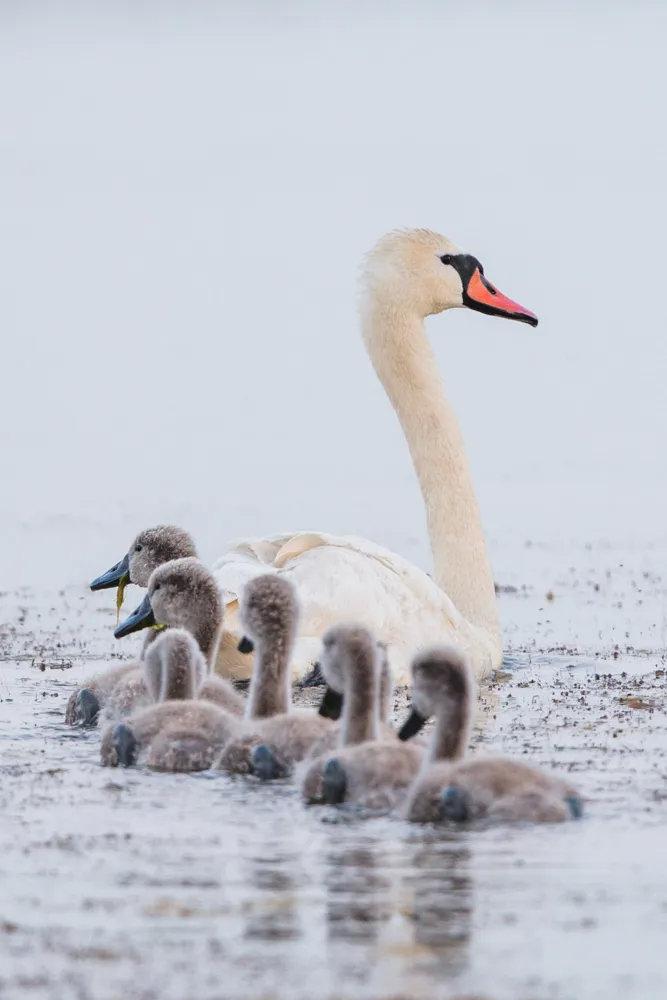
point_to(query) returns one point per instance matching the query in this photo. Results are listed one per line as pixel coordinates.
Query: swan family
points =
(408, 276)
(339, 610)
(178, 716)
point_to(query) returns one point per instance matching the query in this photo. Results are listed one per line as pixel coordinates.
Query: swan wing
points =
(342, 578)
(243, 560)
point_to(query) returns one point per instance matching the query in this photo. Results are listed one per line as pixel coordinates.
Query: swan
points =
(150, 549)
(408, 276)
(275, 735)
(182, 594)
(182, 731)
(370, 768)
(269, 614)
(452, 786)
(358, 679)
(351, 665)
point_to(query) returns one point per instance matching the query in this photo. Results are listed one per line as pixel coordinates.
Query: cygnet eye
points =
(157, 586)
(138, 548)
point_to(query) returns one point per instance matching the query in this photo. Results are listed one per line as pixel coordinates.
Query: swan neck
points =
(451, 733)
(405, 364)
(207, 634)
(152, 672)
(270, 688)
(361, 720)
(178, 676)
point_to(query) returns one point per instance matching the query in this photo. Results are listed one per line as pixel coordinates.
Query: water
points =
(127, 883)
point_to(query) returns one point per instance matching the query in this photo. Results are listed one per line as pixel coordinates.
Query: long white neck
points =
(404, 361)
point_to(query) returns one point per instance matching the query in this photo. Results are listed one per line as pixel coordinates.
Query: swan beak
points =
(245, 645)
(141, 617)
(331, 705)
(412, 725)
(117, 576)
(481, 295)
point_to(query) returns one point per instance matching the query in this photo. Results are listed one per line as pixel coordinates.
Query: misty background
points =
(186, 193)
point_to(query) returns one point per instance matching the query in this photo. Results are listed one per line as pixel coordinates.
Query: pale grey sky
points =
(185, 201)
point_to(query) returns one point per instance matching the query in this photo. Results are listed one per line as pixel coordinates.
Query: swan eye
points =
(446, 258)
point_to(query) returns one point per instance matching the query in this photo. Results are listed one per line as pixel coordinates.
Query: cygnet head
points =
(442, 685)
(150, 549)
(349, 656)
(347, 650)
(182, 594)
(421, 272)
(269, 612)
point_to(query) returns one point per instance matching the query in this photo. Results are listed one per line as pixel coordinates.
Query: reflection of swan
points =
(272, 912)
(441, 909)
(358, 891)
(408, 276)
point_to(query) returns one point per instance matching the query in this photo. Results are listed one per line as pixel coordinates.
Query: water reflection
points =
(357, 890)
(272, 913)
(441, 910)
(398, 909)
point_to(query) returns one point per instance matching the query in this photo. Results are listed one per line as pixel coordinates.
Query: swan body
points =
(455, 787)
(343, 578)
(183, 730)
(370, 768)
(408, 276)
(181, 594)
(170, 736)
(120, 689)
(373, 776)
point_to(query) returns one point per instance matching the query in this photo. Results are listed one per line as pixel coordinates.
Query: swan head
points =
(350, 658)
(155, 546)
(269, 612)
(422, 272)
(150, 549)
(181, 593)
(442, 685)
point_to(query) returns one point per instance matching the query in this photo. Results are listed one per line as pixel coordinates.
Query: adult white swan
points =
(408, 276)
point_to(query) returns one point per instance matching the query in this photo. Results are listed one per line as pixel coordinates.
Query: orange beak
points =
(482, 296)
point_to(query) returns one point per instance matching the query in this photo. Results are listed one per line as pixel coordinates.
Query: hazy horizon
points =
(187, 197)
